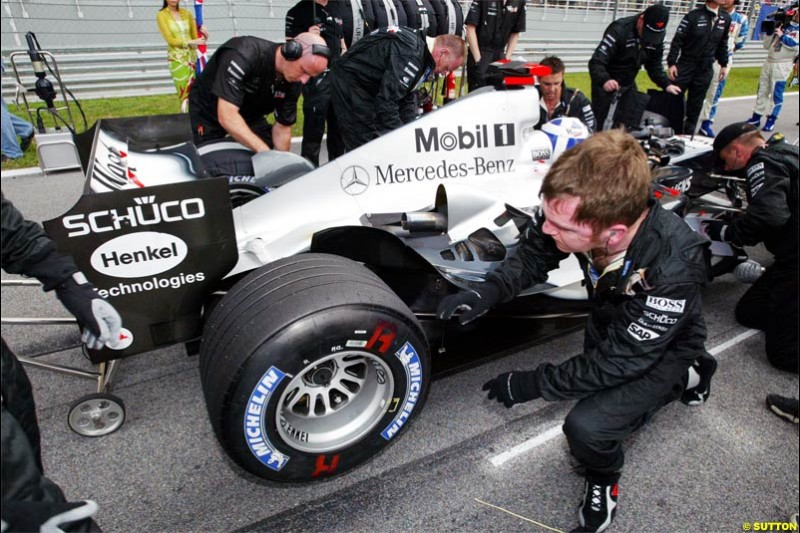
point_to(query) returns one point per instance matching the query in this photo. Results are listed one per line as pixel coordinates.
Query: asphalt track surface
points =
(722, 467)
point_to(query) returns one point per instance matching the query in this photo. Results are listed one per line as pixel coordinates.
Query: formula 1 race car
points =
(308, 295)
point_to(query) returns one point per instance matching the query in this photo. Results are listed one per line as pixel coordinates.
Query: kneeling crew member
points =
(627, 44)
(644, 269)
(246, 79)
(772, 173)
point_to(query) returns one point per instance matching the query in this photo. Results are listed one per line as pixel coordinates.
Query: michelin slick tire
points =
(310, 366)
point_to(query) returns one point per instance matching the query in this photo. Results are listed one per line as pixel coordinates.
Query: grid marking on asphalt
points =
(554, 431)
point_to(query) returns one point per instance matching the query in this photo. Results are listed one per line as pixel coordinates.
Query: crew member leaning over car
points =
(644, 341)
(558, 100)
(374, 84)
(248, 78)
(772, 171)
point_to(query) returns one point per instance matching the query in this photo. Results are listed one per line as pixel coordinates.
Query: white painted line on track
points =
(736, 340)
(526, 446)
(16, 173)
(553, 432)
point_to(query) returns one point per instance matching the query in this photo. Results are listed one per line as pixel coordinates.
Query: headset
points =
(293, 49)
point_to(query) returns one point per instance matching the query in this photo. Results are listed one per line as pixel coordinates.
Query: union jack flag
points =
(202, 56)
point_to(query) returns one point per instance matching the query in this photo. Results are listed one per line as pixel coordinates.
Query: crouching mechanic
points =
(30, 500)
(628, 43)
(374, 84)
(558, 100)
(644, 340)
(248, 78)
(772, 172)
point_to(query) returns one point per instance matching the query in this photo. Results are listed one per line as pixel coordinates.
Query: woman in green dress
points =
(178, 28)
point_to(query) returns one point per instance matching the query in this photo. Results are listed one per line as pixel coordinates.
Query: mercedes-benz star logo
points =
(355, 180)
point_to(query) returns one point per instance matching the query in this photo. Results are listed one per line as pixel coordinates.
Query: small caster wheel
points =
(96, 415)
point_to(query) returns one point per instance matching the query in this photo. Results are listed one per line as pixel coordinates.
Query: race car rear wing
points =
(138, 152)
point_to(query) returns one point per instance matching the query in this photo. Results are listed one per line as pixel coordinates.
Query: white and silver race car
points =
(307, 299)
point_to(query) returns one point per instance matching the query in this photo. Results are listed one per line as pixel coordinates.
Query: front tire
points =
(310, 366)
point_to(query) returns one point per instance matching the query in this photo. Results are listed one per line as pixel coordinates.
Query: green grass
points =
(114, 108)
(742, 82)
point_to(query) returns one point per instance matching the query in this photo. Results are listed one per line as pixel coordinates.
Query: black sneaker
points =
(599, 505)
(705, 366)
(783, 406)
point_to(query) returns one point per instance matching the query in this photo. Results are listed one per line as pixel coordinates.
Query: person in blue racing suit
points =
(781, 53)
(644, 341)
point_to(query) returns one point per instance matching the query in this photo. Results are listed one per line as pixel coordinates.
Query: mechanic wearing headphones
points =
(628, 43)
(374, 84)
(644, 340)
(772, 172)
(701, 37)
(311, 16)
(493, 28)
(246, 79)
(558, 100)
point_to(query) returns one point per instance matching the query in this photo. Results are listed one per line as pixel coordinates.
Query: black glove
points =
(98, 318)
(474, 303)
(512, 388)
(715, 229)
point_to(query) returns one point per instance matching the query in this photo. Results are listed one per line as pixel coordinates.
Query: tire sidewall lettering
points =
(409, 358)
(297, 347)
(255, 434)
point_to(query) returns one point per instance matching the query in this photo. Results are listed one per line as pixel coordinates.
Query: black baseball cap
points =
(730, 133)
(656, 18)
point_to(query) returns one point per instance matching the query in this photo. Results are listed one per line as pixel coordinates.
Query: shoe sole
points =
(786, 416)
